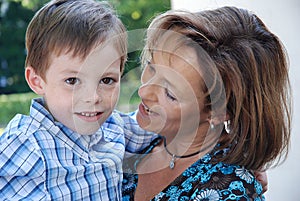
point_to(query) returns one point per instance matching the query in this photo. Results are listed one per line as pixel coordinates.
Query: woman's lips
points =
(143, 110)
(146, 111)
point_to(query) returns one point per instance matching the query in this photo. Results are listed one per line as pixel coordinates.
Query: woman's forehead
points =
(183, 58)
(180, 71)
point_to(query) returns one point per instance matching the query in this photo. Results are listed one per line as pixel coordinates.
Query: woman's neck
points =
(202, 140)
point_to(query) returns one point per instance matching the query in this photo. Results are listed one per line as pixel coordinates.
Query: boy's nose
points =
(93, 96)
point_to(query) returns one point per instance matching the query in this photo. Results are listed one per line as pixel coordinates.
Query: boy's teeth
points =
(88, 114)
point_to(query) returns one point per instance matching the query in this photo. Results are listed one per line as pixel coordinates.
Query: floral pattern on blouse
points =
(202, 181)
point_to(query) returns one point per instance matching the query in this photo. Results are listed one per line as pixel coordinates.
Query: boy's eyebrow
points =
(111, 71)
(110, 74)
(70, 71)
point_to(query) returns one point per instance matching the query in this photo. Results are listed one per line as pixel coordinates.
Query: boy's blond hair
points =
(72, 26)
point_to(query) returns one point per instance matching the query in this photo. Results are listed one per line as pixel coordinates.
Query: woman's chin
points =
(149, 123)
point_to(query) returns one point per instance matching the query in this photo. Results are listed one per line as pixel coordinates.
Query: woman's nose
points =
(148, 92)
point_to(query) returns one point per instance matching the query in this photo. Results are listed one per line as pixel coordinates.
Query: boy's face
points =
(82, 94)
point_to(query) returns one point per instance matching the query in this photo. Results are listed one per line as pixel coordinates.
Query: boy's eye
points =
(72, 80)
(107, 80)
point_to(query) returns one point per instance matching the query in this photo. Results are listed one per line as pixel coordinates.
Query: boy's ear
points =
(34, 81)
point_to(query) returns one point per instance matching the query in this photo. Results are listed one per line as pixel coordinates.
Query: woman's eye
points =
(169, 95)
(72, 81)
(107, 80)
(151, 68)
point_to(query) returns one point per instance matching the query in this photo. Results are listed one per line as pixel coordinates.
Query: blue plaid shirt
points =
(41, 159)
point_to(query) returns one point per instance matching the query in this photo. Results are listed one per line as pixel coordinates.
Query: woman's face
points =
(172, 94)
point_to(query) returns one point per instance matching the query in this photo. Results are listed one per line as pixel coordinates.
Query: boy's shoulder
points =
(20, 138)
(21, 126)
(115, 122)
(122, 118)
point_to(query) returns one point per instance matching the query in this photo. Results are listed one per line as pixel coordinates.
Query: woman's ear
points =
(34, 81)
(218, 119)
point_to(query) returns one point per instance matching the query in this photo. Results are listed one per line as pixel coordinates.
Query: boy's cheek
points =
(115, 96)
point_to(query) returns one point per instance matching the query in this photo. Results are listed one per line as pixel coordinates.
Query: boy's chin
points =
(88, 130)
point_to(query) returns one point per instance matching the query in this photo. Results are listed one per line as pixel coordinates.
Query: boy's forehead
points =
(101, 58)
(104, 54)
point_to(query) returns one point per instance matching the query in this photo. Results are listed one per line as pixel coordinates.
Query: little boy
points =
(76, 54)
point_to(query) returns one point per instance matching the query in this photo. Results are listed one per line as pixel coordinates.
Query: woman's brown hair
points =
(253, 66)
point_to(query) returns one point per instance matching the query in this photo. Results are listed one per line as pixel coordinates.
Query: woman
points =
(215, 87)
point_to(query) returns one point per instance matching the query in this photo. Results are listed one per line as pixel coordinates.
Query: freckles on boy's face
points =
(81, 94)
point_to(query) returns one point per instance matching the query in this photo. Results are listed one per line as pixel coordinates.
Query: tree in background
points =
(13, 22)
(136, 14)
(16, 14)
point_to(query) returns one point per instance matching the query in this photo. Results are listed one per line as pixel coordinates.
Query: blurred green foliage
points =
(12, 104)
(13, 22)
(137, 14)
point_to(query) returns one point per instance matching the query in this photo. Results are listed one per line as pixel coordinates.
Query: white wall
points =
(283, 19)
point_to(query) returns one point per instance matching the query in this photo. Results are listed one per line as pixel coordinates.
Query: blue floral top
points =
(203, 180)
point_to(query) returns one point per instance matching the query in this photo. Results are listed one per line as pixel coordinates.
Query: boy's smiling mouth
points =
(89, 116)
